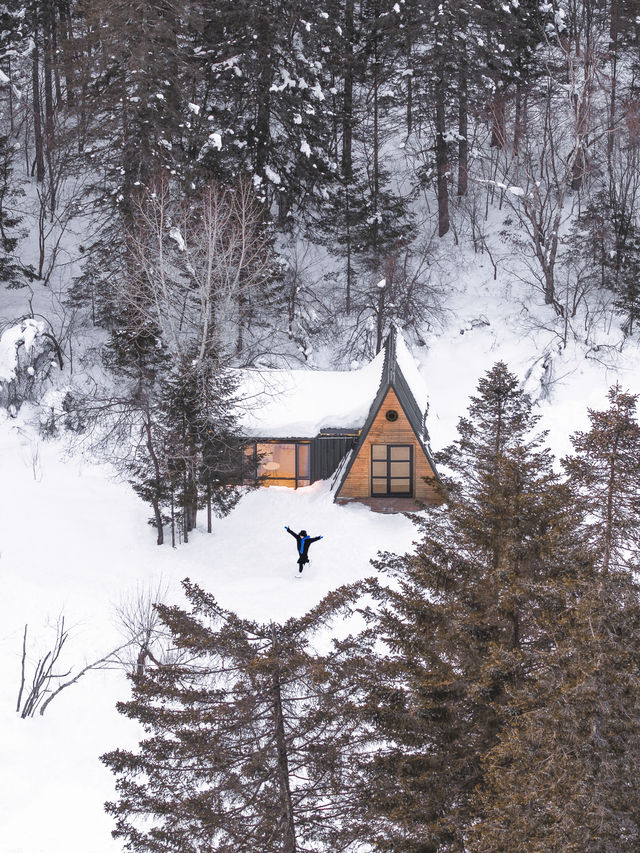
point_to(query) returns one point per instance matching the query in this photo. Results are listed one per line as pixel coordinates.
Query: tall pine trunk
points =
(347, 141)
(442, 164)
(463, 111)
(49, 122)
(264, 48)
(289, 832)
(37, 105)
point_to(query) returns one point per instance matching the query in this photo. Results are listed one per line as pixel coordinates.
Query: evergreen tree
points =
(604, 474)
(563, 775)
(243, 750)
(460, 623)
(12, 271)
(195, 406)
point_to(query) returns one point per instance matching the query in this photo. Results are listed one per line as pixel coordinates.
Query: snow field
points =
(75, 541)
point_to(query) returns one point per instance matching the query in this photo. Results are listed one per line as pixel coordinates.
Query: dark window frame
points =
(388, 477)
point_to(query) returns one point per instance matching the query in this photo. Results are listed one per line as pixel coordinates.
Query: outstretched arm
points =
(315, 539)
(289, 530)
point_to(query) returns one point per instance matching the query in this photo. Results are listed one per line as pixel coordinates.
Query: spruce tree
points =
(13, 272)
(563, 775)
(242, 748)
(459, 623)
(604, 473)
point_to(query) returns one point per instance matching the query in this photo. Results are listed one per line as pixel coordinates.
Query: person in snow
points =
(303, 542)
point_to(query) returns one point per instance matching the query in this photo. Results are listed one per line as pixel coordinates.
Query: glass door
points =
(392, 470)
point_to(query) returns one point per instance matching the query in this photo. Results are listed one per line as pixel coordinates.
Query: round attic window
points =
(391, 415)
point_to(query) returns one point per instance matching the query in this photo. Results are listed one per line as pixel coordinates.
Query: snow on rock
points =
(299, 403)
(176, 235)
(21, 335)
(274, 177)
(26, 352)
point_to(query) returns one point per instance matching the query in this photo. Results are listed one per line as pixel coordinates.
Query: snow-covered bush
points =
(28, 353)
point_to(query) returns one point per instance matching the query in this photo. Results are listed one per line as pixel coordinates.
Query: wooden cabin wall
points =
(358, 483)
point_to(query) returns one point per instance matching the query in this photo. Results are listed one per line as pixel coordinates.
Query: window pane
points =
(400, 469)
(248, 463)
(378, 451)
(399, 453)
(379, 487)
(277, 460)
(303, 460)
(400, 486)
(379, 469)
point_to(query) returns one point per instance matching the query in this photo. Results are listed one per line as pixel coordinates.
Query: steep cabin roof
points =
(306, 403)
(400, 373)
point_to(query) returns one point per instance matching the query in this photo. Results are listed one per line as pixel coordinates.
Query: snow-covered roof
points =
(409, 368)
(301, 403)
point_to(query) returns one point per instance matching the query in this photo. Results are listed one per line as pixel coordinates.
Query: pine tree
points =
(243, 749)
(459, 624)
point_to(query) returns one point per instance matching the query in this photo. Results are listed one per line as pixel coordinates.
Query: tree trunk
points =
(613, 52)
(155, 502)
(517, 126)
(498, 115)
(47, 54)
(64, 11)
(347, 106)
(442, 165)
(289, 834)
(347, 213)
(37, 106)
(347, 139)
(409, 83)
(608, 536)
(263, 90)
(463, 126)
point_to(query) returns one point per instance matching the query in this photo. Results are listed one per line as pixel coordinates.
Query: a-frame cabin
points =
(364, 430)
(390, 468)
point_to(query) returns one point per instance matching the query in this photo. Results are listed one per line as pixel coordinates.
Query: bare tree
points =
(552, 160)
(147, 638)
(198, 265)
(49, 677)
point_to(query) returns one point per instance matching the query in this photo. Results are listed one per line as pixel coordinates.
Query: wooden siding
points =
(358, 482)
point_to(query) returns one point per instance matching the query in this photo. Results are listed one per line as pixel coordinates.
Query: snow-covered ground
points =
(74, 541)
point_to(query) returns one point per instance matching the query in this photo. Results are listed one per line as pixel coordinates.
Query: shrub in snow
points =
(28, 352)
